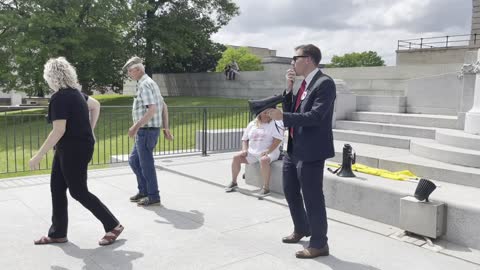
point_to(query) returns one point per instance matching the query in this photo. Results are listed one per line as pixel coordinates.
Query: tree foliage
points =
(174, 35)
(97, 36)
(245, 60)
(363, 59)
(87, 32)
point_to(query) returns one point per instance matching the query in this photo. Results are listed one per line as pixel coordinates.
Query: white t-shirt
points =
(261, 138)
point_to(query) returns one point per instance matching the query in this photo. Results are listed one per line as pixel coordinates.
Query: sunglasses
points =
(298, 56)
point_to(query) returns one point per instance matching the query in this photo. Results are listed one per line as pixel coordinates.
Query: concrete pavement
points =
(199, 226)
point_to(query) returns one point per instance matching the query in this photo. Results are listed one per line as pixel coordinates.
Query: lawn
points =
(23, 132)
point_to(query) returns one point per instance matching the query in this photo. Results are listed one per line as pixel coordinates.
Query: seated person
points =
(234, 70)
(227, 71)
(260, 143)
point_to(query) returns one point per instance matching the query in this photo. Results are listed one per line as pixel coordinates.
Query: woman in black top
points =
(73, 138)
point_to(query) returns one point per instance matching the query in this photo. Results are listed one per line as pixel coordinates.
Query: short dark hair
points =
(312, 51)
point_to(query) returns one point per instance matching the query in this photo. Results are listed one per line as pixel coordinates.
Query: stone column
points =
(15, 98)
(472, 117)
(346, 102)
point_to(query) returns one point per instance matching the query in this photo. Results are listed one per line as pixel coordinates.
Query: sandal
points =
(111, 236)
(48, 240)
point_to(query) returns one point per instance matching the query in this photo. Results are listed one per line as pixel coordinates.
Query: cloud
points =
(343, 26)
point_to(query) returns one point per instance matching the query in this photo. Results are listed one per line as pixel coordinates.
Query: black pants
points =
(69, 170)
(308, 211)
(231, 75)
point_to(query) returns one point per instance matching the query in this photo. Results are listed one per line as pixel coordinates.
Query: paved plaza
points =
(199, 226)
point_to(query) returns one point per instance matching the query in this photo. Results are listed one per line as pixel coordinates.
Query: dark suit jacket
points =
(312, 122)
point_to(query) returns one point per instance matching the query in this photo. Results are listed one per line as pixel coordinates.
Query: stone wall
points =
(260, 52)
(433, 56)
(257, 84)
(439, 94)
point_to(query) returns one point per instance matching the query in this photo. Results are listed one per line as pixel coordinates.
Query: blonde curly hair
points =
(59, 74)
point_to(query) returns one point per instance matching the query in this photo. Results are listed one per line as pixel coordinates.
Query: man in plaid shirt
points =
(150, 114)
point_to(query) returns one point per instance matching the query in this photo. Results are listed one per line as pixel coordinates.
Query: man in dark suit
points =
(308, 116)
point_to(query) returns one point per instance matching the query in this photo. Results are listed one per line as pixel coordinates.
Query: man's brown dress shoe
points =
(310, 252)
(293, 238)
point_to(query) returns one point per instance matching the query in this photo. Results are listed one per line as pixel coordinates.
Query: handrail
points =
(437, 42)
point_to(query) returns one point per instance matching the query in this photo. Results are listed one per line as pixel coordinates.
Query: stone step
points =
(372, 138)
(378, 92)
(392, 129)
(371, 103)
(395, 159)
(424, 120)
(446, 153)
(458, 138)
(378, 199)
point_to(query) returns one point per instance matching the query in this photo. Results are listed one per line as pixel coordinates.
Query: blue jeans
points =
(142, 163)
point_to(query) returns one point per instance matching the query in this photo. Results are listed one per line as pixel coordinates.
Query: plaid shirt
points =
(147, 93)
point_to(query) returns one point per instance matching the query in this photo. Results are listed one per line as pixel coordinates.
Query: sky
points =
(343, 26)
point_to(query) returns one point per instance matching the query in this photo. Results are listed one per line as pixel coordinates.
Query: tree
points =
(98, 36)
(89, 33)
(245, 60)
(174, 35)
(363, 59)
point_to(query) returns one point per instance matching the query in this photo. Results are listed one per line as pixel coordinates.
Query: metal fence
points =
(437, 42)
(195, 129)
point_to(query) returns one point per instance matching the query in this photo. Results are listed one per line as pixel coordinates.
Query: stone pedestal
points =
(472, 123)
(16, 99)
(346, 102)
(472, 117)
(422, 218)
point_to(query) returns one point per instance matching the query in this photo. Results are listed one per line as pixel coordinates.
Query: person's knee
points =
(131, 162)
(78, 194)
(265, 161)
(58, 192)
(237, 158)
(134, 165)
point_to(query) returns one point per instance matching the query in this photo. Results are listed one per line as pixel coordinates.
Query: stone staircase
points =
(430, 146)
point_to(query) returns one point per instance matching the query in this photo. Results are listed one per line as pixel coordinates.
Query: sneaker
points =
(232, 187)
(264, 192)
(148, 202)
(137, 197)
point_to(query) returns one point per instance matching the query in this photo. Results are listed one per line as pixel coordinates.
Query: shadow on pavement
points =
(337, 264)
(117, 259)
(195, 218)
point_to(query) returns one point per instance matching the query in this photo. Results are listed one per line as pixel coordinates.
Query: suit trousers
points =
(69, 170)
(303, 188)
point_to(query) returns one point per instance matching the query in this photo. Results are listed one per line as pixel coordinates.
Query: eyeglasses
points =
(298, 56)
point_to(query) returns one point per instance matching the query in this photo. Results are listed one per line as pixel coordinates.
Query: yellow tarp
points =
(400, 175)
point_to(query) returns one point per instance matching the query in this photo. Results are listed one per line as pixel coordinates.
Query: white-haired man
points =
(150, 114)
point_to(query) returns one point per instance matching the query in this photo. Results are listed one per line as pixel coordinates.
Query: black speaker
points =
(425, 187)
(259, 105)
(347, 160)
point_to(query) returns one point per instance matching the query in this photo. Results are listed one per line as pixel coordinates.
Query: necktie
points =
(299, 95)
(299, 100)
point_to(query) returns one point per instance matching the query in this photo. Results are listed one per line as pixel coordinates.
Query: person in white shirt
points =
(260, 143)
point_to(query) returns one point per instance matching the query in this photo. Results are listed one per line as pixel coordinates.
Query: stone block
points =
(219, 139)
(253, 176)
(423, 218)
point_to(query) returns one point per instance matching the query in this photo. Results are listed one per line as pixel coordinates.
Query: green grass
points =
(23, 132)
